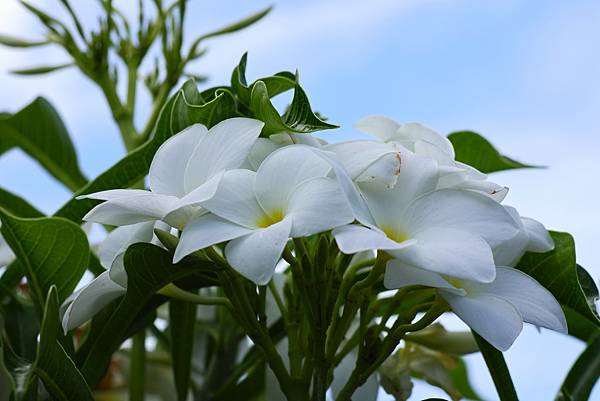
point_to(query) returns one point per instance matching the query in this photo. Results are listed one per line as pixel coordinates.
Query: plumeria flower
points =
(185, 170)
(532, 237)
(445, 231)
(290, 195)
(263, 147)
(6, 254)
(495, 310)
(112, 283)
(426, 142)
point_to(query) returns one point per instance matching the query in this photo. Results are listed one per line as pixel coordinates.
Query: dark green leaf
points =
(17, 205)
(583, 374)
(558, 272)
(474, 150)
(149, 268)
(498, 370)
(41, 69)
(182, 324)
(22, 327)
(179, 112)
(299, 117)
(38, 130)
(53, 366)
(12, 41)
(53, 251)
(460, 378)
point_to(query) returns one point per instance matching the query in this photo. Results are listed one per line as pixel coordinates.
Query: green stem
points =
(171, 290)
(138, 367)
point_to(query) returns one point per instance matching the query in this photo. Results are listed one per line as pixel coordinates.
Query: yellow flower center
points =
(269, 219)
(394, 234)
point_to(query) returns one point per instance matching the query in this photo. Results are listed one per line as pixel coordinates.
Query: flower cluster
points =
(440, 223)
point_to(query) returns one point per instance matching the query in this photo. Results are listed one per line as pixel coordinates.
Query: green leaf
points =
(53, 366)
(38, 130)
(558, 271)
(460, 378)
(498, 370)
(149, 268)
(12, 41)
(182, 325)
(53, 251)
(474, 150)
(276, 84)
(21, 327)
(41, 69)
(237, 26)
(583, 375)
(179, 112)
(299, 117)
(16, 205)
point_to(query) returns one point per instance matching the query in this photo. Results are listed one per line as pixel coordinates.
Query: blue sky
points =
(522, 73)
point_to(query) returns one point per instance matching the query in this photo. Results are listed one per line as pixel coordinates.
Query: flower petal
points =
(130, 210)
(463, 210)
(539, 238)
(170, 161)
(369, 160)
(89, 300)
(283, 171)
(255, 255)
(535, 303)
(318, 205)
(451, 252)
(234, 199)
(113, 194)
(378, 126)
(6, 254)
(493, 318)
(205, 231)
(398, 275)
(418, 176)
(354, 238)
(224, 147)
(118, 240)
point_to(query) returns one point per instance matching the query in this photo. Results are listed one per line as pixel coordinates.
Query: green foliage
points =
(182, 325)
(149, 268)
(38, 130)
(53, 365)
(583, 375)
(12, 41)
(498, 369)
(474, 150)
(42, 69)
(16, 205)
(572, 286)
(53, 251)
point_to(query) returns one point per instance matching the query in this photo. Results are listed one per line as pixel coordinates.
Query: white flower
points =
(445, 231)
(185, 171)
(495, 310)
(6, 254)
(532, 237)
(425, 142)
(290, 195)
(112, 283)
(263, 147)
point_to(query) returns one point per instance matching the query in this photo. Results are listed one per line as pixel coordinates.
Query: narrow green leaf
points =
(12, 41)
(149, 268)
(179, 112)
(182, 324)
(21, 327)
(498, 370)
(41, 69)
(559, 273)
(53, 251)
(39, 131)
(237, 26)
(474, 150)
(53, 366)
(583, 375)
(460, 378)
